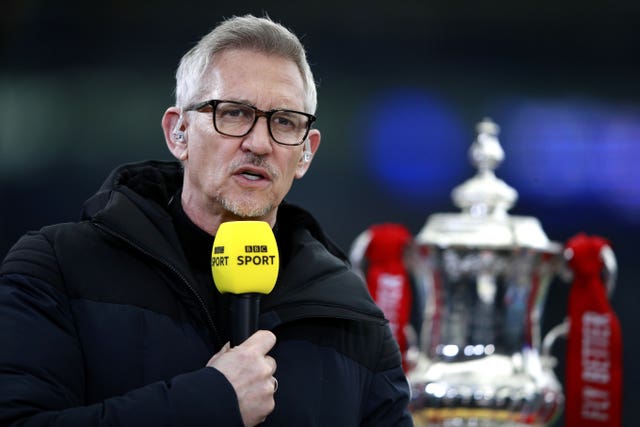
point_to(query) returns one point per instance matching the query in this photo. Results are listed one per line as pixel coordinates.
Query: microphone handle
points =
(244, 312)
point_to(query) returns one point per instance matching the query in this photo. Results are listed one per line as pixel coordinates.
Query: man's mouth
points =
(253, 169)
(252, 176)
(252, 173)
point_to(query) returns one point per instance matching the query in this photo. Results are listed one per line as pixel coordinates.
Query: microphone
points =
(244, 264)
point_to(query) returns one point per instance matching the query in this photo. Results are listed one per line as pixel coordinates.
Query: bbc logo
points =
(250, 249)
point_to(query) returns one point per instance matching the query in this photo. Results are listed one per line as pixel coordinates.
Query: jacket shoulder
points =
(33, 255)
(37, 253)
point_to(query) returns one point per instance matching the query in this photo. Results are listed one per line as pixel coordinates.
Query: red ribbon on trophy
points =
(388, 279)
(594, 345)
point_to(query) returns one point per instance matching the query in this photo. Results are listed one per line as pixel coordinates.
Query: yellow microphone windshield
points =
(245, 258)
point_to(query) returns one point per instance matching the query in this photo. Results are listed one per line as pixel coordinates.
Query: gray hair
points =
(242, 32)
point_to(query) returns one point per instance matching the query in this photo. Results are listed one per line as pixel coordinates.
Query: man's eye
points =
(233, 112)
(284, 122)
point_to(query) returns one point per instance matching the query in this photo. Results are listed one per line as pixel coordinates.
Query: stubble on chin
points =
(246, 209)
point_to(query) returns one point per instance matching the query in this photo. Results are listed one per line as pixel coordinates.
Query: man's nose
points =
(259, 140)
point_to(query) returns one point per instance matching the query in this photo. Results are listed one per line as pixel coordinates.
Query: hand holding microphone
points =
(244, 264)
(250, 371)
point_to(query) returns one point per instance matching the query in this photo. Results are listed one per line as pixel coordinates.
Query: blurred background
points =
(83, 86)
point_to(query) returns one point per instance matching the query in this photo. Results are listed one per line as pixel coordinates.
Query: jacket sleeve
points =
(42, 368)
(388, 398)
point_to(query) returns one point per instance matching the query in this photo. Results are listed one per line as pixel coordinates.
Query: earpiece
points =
(177, 133)
(179, 136)
(307, 154)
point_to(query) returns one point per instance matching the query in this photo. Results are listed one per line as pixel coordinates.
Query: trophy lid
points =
(484, 200)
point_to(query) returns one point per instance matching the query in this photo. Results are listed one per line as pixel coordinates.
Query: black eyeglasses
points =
(231, 118)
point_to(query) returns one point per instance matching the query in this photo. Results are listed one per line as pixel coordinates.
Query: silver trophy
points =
(481, 359)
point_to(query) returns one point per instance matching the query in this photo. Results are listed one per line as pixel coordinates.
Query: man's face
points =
(243, 177)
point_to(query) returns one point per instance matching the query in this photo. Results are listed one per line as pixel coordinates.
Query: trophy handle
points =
(357, 251)
(610, 274)
(560, 330)
(610, 268)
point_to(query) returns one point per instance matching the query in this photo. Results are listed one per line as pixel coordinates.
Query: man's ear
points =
(175, 132)
(310, 147)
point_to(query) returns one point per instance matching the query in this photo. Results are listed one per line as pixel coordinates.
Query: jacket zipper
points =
(172, 269)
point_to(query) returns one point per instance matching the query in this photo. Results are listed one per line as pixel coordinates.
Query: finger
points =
(262, 340)
(272, 364)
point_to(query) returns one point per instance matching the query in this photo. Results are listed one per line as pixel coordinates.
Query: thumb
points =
(222, 351)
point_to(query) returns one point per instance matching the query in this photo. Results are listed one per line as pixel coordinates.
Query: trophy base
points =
(498, 390)
(471, 417)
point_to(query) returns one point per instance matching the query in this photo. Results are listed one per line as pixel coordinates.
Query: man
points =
(113, 320)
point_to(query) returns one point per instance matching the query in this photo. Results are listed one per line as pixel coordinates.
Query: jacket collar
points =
(133, 201)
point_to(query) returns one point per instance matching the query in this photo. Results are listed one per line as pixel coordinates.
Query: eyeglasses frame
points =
(213, 103)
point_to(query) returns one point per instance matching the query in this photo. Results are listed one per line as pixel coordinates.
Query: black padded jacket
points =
(101, 324)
